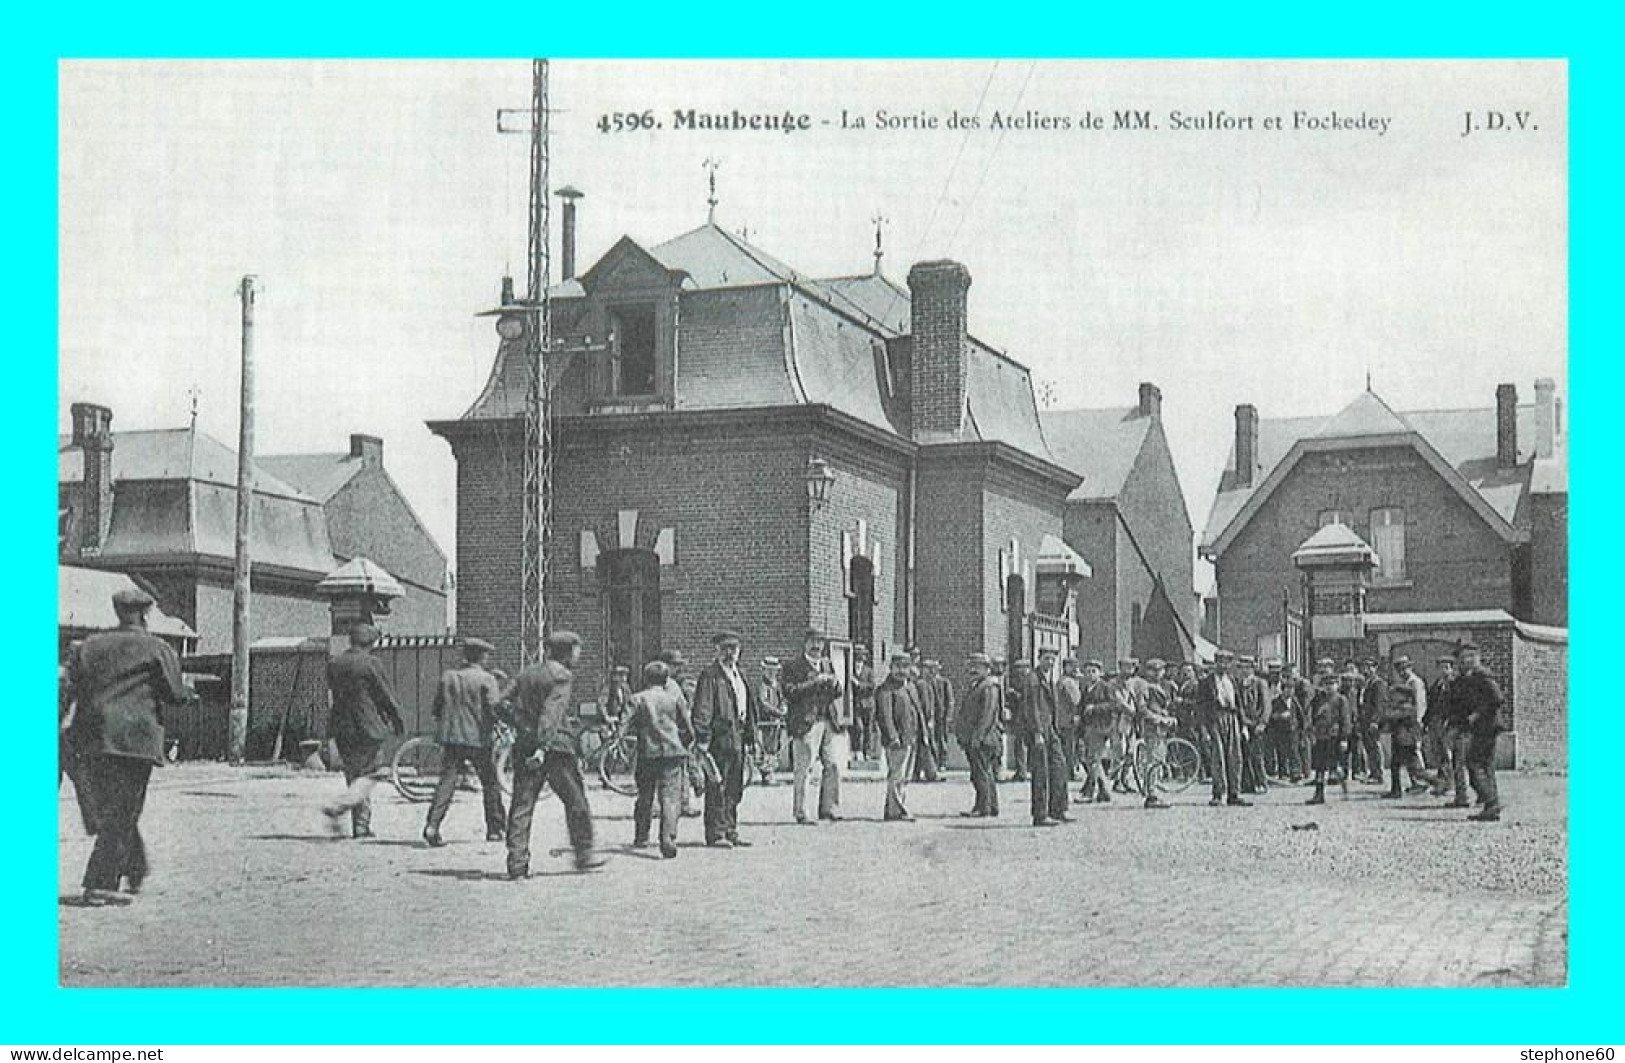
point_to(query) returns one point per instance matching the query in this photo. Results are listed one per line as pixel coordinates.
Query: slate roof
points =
(836, 354)
(84, 600)
(320, 475)
(175, 494)
(1463, 438)
(1099, 445)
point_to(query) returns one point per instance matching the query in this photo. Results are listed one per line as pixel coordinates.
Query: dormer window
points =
(633, 365)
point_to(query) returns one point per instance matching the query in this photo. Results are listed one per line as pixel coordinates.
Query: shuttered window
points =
(1388, 538)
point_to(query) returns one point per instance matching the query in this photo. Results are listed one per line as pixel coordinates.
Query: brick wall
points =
(949, 623)
(1091, 530)
(873, 489)
(1017, 508)
(489, 526)
(1541, 704)
(1549, 559)
(1454, 559)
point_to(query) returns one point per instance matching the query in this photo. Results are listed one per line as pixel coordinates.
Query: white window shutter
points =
(846, 563)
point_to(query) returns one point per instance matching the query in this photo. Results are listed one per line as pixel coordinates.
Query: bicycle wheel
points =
(617, 766)
(502, 760)
(415, 771)
(1182, 764)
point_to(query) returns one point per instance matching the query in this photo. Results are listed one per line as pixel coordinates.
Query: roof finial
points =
(880, 222)
(712, 164)
(193, 392)
(1368, 378)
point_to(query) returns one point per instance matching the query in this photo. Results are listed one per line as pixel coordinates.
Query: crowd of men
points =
(1050, 722)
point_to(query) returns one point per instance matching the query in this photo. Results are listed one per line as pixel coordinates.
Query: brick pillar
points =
(1246, 443)
(1506, 425)
(937, 292)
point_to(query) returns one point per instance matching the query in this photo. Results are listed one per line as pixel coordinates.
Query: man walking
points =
(121, 681)
(364, 718)
(1368, 718)
(544, 752)
(465, 706)
(724, 713)
(1407, 700)
(1219, 708)
(977, 728)
(1098, 724)
(1331, 720)
(817, 722)
(659, 722)
(897, 714)
(1477, 697)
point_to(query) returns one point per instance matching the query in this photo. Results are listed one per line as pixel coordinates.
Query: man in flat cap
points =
(364, 720)
(770, 709)
(1281, 733)
(897, 714)
(1068, 707)
(544, 752)
(121, 680)
(1368, 716)
(1479, 701)
(1034, 725)
(465, 712)
(977, 728)
(817, 718)
(1219, 707)
(862, 733)
(1402, 717)
(1253, 700)
(1097, 724)
(942, 707)
(1447, 742)
(1156, 721)
(725, 716)
(680, 683)
(1331, 721)
(658, 719)
(925, 766)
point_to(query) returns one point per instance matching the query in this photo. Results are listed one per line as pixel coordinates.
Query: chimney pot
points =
(568, 251)
(93, 435)
(1150, 400)
(1547, 429)
(939, 336)
(370, 449)
(1246, 443)
(507, 291)
(1506, 426)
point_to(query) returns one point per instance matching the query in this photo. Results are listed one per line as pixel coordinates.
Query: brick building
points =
(1462, 516)
(161, 506)
(1129, 518)
(700, 388)
(368, 516)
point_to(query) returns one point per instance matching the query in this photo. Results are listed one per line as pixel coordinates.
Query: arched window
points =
(860, 605)
(631, 583)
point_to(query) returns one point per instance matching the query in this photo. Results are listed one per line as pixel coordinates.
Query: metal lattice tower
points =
(538, 446)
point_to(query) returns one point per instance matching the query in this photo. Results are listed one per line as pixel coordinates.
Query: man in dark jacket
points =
(1407, 701)
(1331, 721)
(544, 752)
(121, 681)
(817, 719)
(659, 722)
(465, 707)
(725, 714)
(942, 709)
(1450, 768)
(926, 767)
(977, 729)
(1218, 706)
(1034, 725)
(1368, 719)
(365, 716)
(897, 714)
(1477, 698)
(1253, 698)
(1102, 705)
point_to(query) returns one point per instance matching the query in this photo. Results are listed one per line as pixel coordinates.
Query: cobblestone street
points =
(248, 889)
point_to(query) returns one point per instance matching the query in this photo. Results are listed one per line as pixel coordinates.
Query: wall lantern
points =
(819, 478)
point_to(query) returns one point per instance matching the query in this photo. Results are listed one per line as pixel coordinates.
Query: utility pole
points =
(537, 527)
(245, 525)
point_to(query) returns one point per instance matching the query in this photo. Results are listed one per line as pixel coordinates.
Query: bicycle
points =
(417, 765)
(764, 759)
(1142, 771)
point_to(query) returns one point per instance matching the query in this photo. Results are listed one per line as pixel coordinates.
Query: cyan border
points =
(35, 1011)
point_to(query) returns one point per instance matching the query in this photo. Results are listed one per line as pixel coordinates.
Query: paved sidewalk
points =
(249, 890)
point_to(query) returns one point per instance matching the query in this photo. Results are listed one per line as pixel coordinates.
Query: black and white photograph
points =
(811, 523)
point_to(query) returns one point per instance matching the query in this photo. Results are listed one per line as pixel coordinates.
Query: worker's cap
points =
(563, 640)
(132, 598)
(979, 658)
(1402, 661)
(1155, 664)
(655, 672)
(770, 662)
(901, 658)
(1248, 659)
(1094, 663)
(1273, 664)
(1326, 677)
(363, 634)
(1220, 656)
(1466, 646)
(725, 638)
(473, 647)
(673, 658)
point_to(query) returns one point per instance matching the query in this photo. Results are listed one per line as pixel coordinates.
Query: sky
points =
(379, 208)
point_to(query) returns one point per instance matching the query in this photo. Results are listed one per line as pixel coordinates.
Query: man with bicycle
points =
(1156, 721)
(1098, 723)
(544, 753)
(465, 707)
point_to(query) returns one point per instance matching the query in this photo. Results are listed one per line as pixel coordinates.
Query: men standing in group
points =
(1098, 723)
(1219, 707)
(1368, 718)
(544, 751)
(724, 713)
(817, 720)
(925, 767)
(365, 715)
(977, 728)
(1068, 706)
(1477, 697)
(1034, 725)
(897, 715)
(121, 682)
(942, 706)
(1331, 721)
(1253, 700)
(465, 706)
(1407, 701)
(1156, 722)
(1281, 734)
(1448, 740)
(659, 722)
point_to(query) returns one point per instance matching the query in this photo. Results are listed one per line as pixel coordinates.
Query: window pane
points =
(635, 349)
(1388, 538)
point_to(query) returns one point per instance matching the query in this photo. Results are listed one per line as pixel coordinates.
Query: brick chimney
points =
(938, 327)
(1547, 429)
(1246, 443)
(370, 449)
(1506, 426)
(93, 434)
(567, 253)
(1150, 400)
